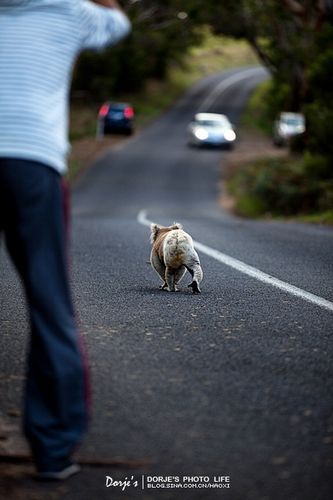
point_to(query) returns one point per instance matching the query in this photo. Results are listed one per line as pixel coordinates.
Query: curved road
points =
(234, 382)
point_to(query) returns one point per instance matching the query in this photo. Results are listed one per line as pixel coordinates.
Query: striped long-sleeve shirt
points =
(39, 43)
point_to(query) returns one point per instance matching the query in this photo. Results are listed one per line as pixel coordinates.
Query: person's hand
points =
(112, 4)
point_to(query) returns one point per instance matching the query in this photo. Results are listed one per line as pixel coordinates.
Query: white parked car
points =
(287, 125)
(211, 129)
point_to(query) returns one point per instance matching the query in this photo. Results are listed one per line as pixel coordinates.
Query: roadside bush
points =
(320, 130)
(282, 187)
(303, 183)
(316, 167)
(297, 144)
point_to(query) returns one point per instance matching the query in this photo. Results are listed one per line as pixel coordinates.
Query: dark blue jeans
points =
(32, 218)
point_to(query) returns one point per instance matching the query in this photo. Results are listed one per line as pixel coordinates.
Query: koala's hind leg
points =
(170, 279)
(196, 272)
(159, 268)
(179, 274)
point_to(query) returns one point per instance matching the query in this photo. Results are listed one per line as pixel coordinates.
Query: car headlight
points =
(284, 129)
(201, 134)
(229, 135)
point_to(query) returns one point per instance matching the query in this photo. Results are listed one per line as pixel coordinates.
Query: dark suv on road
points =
(116, 117)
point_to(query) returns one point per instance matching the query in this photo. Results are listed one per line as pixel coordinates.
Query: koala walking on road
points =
(172, 253)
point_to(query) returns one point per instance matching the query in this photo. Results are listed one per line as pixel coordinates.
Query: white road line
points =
(224, 85)
(251, 271)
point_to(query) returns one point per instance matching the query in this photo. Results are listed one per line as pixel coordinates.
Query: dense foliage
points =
(162, 32)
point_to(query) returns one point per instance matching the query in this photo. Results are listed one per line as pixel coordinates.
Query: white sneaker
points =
(60, 475)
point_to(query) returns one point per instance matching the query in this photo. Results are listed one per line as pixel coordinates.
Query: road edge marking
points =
(224, 85)
(251, 271)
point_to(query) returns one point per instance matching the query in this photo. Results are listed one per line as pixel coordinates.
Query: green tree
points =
(162, 33)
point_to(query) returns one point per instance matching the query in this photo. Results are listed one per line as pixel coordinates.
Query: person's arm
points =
(100, 23)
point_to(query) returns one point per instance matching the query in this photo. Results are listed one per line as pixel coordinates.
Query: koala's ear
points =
(154, 230)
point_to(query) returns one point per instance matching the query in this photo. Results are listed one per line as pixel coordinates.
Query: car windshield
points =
(294, 121)
(212, 123)
(116, 108)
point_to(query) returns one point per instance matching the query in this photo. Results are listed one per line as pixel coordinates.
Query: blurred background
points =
(174, 43)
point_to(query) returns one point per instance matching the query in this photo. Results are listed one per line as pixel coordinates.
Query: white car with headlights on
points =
(211, 129)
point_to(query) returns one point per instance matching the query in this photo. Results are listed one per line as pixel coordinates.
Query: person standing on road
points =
(39, 43)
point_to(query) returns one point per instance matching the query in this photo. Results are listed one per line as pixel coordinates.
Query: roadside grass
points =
(214, 54)
(82, 120)
(74, 170)
(320, 218)
(277, 184)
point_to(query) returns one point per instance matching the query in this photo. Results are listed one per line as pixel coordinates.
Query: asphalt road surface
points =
(236, 381)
